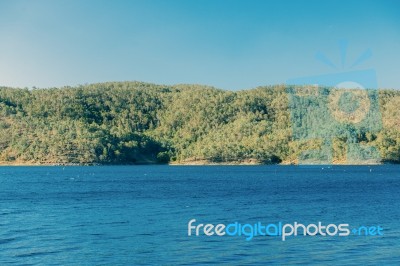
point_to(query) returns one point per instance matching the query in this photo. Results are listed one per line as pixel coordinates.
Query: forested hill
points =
(132, 122)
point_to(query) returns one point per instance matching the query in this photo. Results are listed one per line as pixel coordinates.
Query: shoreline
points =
(194, 163)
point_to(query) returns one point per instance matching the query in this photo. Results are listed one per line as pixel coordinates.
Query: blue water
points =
(133, 215)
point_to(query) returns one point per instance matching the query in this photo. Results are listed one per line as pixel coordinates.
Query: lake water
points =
(133, 215)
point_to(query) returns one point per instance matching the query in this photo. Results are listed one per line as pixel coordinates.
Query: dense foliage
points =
(132, 122)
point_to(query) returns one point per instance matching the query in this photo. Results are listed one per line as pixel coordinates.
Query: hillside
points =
(133, 122)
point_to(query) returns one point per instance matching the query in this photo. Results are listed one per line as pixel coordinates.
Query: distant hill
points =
(134, 123)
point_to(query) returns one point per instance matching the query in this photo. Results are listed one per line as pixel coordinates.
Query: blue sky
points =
(226, 44)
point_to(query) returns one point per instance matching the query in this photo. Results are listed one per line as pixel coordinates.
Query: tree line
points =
(135, 122)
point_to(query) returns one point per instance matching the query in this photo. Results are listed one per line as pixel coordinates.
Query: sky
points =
(226, 44)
